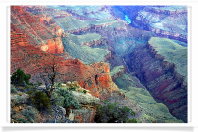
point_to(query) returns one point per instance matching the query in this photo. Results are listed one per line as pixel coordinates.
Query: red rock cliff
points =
(95, 77)
(37, 32)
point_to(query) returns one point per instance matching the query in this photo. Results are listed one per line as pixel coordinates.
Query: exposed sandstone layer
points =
(169, 22)
(161, 79)
(91, 27)
(93, 43)
(117, 72)
(40, 31)
(170, 35)
(84, 115)
(54, 46)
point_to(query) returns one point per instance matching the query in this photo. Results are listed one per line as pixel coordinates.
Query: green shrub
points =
(112, 113)
(31, 83)
(30, 115)
(131, 120)
(72, 89)
(60, 84)
(19, 77)
(30, 89)
(40, 101)
(57, 99)
(68, 99)
(22, 120)
(84, 91)
(12, 112)
(13, 89)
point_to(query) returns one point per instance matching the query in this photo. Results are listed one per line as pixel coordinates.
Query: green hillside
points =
(84, 53)
(79, 39)
(152, 111)
(173, 53)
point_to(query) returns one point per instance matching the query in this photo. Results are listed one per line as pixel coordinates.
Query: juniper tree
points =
(20, 78)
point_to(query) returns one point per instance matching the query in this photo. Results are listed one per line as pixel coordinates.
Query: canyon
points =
(162, 78)
(141, 65)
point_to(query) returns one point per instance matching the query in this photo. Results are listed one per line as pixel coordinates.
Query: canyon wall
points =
(164, 22)
(161, 78)
(45, 35)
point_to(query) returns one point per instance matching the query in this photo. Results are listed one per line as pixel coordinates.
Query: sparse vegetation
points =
(68, 99)
(173, 53)
(113, 113)
(40, 101)
(151, 109)
(13, 89)
(30, 115)
(84, 53)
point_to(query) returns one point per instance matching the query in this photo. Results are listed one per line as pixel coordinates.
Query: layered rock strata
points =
(45, 35)
(161, 78)
(117, 72)
(169, 22)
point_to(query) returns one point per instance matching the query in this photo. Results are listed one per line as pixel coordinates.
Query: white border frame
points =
(194, 66)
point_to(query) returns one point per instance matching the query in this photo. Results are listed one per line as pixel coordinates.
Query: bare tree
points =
(49, 76)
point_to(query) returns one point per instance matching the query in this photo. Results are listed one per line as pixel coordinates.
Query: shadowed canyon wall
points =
(161, 78)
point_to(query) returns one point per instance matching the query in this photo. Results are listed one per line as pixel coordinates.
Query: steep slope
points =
(45, 35)
(152, 111)
(85, 53)
(161, 66)
(94, 77)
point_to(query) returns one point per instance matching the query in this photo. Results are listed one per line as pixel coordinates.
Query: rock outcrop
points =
(169, 22)
(84, 115)
(117, 72)
(88, 111)
(20, 98)
(54, 46)
(85, 98)
(45, 36)
(92, 43)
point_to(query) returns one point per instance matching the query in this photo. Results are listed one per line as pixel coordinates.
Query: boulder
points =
(83, 115)
(59, 112)
(85, 98)
(20, 98)
(71, 115)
